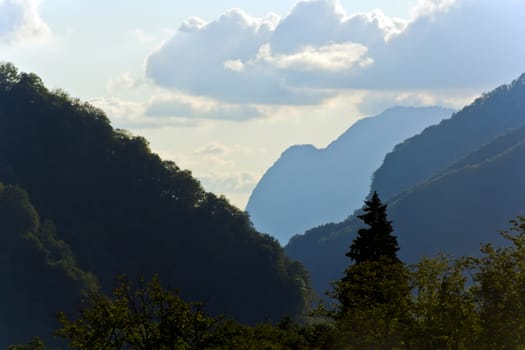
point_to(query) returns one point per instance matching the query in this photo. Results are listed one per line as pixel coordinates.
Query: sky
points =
(224, 87)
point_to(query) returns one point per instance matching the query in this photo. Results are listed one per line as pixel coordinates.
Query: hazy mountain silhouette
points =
(439, 146)
(461, 205)
(308, 186)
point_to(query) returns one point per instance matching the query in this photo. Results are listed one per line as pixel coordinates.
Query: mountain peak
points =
(308, 186)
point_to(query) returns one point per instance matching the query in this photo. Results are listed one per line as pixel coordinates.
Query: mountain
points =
(439, 146)
(473, 190)
(123, 210)
(40, 275)
(307, 186)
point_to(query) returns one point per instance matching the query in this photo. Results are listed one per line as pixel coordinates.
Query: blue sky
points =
(223, 87)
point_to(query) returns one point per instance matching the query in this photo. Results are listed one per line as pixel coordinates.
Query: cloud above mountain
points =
(318, 50)
(20, 21)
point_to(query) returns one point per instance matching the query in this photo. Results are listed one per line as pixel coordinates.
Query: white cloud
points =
(186, 106)
(234, 65)
(123, 81)
(213, 149)
(205, 60)
(141, 36)
(242, 182)
(192, 24)
(169, 109)
(333, 57)
(20, 21)
(118, 109)
(431, 7)
(132, 114)
(318, 50)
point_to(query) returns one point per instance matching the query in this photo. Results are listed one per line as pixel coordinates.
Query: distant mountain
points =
(122, 210)
(439, 146)
(307, 186)
(471, 193)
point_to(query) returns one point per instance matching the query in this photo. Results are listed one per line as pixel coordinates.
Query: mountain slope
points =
(125, 211)
(307, 186)
(39, 273)
(453, 211)
(439, 146)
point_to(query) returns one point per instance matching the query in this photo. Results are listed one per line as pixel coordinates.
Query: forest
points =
(380, 303)
(107, 246)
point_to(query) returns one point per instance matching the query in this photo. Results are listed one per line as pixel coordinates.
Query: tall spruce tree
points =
(374, 292)
(377, 241)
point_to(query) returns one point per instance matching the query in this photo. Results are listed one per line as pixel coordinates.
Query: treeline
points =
(380, 303)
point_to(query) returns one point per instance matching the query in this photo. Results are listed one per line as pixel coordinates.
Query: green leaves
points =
(139, 316)
(499, 291)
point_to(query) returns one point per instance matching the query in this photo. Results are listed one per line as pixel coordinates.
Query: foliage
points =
(373, 304)
(373, 295)
(448, 304)
(456, 304)
(443, 311)
(499, 291)
(375, 242)
(35, 344)
(148, 316)
(145, 317)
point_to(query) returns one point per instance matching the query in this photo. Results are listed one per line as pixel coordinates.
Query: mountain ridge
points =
(308, 186)
(468, 199)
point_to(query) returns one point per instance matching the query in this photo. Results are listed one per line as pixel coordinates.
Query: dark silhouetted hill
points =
(123, 210)
(463, 203)
(307, 186)
(39, 273)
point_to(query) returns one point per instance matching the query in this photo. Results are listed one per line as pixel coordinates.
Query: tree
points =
(442, 309)
(35, 344)
(145, 316)
(377, 241)
(499, 285)
(374, 294)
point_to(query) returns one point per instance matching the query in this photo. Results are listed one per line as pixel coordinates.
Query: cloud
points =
(462, 44)
(132, 114)
(333, 57)
(141, 36)
(20, 21)
(123, 82)
(213, 149)
(318, 50)
(169, 109)
(185, 106)
(205, 60)
(242, 182)
(375, 102)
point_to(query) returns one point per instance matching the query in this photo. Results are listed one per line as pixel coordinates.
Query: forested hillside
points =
(39, 272)
(123, 210)
(437, 147)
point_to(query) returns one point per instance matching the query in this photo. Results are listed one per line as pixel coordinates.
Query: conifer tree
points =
(377, 241)
(374, 292)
